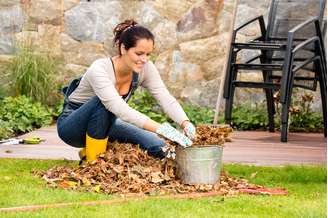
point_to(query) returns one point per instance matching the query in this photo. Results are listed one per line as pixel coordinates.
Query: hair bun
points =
(121, 27)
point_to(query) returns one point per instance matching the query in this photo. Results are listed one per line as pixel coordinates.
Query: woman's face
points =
(136, 57)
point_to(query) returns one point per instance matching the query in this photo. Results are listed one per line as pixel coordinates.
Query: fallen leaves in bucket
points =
(206, 135)
(126, 169)
(212, 135)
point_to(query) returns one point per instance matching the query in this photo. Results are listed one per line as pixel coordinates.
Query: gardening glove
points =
(189, 130)
(169, 151)
(169, 132)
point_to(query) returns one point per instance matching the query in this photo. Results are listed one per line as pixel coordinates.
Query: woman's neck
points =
(121, 69)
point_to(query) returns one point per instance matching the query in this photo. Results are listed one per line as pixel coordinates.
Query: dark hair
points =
(128, 33)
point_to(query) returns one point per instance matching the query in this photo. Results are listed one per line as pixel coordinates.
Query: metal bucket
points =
(199, 165)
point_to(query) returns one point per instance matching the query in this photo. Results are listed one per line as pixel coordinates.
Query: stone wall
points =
(191, 36)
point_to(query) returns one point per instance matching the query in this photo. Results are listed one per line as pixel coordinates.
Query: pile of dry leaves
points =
(125, 169)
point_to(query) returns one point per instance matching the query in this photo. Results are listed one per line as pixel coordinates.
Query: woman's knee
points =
(100, 120)
(70, 138)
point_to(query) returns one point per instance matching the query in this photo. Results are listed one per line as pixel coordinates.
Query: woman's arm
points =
(151, 125)
(153, 82)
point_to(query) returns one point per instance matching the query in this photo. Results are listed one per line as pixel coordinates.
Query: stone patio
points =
(247, 147)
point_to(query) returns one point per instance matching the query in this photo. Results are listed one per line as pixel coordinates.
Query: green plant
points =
(197, 114)
(143, 102)
(249, 117)
(57, 108)
(310, 122)
(20, 114)
(31, 73)
(302, 118)
(153, 57)
(6, 130)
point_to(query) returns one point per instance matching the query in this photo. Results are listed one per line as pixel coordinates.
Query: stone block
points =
(46, 11)
(92, 21)
(200, 20)
(11, 19)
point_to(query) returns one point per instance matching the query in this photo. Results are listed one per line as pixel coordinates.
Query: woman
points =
(96, 109)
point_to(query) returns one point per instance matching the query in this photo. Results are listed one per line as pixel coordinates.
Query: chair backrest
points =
(286, 14)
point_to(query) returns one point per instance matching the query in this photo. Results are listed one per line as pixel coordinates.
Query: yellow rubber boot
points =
(94, 147)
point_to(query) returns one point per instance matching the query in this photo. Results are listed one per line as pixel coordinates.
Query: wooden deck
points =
(265, 148)
(247, 147)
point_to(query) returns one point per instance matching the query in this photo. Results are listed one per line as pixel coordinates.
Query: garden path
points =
(247, 147)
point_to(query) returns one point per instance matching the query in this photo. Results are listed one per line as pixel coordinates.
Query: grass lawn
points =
(306, 186)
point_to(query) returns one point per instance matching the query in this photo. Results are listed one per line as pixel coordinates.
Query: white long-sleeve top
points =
(99, 80)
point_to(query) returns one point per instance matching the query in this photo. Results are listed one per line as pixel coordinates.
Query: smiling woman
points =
(95, 108)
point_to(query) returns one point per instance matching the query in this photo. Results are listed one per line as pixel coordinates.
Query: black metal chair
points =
(291, 54)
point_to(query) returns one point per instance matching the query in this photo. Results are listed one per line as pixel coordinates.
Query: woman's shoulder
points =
(101, 65)
(101, 62)
(149, 64)
(149, 73)
(149, 67)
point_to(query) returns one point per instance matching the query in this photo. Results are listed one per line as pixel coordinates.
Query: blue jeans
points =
(94, 119)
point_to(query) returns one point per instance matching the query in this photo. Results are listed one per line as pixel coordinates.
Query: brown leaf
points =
(157, 177)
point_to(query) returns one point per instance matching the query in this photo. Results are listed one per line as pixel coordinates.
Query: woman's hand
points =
(172, 134)
(189, 129)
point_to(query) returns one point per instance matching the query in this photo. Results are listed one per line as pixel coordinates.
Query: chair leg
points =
(323, 91)
(285, 112)
(324, 109)
(284, 121)
(285, 108)
(270, 108)
(230, 88)
(228, 78)
(268, 92)
(228, 106)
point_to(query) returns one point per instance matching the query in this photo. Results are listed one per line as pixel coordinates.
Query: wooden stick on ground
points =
(224, 69)
(107, 202)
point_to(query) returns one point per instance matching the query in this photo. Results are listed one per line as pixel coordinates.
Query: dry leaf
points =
(157, 177)
(96, 188)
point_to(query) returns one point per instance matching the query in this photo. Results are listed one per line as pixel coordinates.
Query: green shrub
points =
(143, 102)
(306, 122)
(248, 117)
(6, 130)
(57, 109)
(302, 118)
(31, 73)
(20, 114)
(197, 114)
